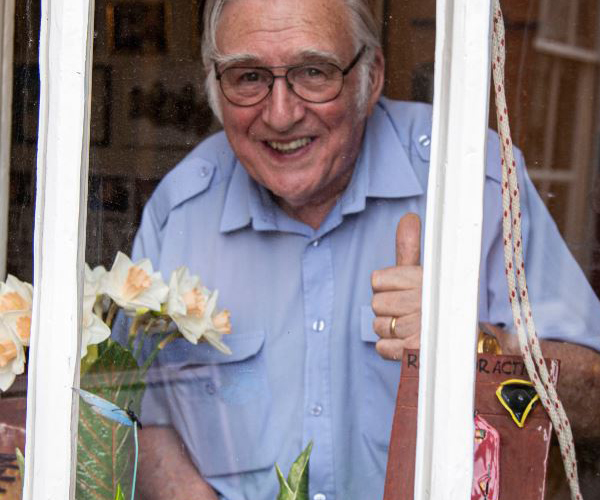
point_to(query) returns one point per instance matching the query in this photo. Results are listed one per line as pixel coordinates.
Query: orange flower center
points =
(8, 352)
(194, 302)
(12, 301)
(24, 328)
(222, 322)
(137, 281)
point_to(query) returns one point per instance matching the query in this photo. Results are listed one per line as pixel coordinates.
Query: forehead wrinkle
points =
(303, 55)
(276, 18)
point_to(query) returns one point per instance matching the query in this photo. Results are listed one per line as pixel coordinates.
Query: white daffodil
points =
(195, 327)
(93, 330)
(93, 287)
(134, 286)
(94, 281)
(16, 297)
(12, 354)
(186, 295)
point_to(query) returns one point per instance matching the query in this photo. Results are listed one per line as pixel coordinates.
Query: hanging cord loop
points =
(515, 268)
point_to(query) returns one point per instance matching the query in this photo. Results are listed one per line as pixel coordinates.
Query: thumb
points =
(408, 241)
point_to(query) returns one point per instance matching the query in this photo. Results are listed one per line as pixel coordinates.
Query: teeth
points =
(286, 147)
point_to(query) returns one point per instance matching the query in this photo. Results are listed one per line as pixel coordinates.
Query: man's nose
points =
(283, 108)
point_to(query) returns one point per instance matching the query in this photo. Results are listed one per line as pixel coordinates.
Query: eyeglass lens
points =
(318, 82)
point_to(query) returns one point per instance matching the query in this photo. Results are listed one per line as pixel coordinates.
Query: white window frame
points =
(452, 253)
(452, 249)
(7, 30)
(59, 246)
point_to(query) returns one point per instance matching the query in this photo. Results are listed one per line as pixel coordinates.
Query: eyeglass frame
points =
(344, 72)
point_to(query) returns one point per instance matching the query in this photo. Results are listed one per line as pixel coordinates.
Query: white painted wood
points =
(65, 71)
(552, 175)
(444, 458)
(7, 30)
(565, 50)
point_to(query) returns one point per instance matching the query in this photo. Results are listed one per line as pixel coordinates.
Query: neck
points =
(313, 212)
(311, 215)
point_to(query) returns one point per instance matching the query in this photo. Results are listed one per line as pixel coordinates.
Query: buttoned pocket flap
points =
(367, 334)
(221, 404)
(182, 353)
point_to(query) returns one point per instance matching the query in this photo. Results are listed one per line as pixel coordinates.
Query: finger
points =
(394, 348)
(397, 278)
(408, 240)
(406, 326)
(398, 303)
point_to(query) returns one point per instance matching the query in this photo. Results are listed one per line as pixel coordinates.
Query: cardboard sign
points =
(523, 451)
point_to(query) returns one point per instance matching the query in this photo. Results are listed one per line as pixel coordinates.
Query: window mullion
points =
(7, 30)
(59, 242)
(444, 457)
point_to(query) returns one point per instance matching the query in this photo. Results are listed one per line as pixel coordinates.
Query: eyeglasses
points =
(312, 82)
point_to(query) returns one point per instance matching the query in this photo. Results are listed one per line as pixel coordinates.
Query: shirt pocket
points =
(381, 378)
(220, 404)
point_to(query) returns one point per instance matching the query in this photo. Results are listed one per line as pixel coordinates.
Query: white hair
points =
(363, 27)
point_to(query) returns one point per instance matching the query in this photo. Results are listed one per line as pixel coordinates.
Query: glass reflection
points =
(304, 365)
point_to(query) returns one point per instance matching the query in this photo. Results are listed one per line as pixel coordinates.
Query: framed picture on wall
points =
(169, 112)
(136, 27)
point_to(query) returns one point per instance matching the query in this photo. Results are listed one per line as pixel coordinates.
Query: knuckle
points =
(376, 326)
(375, 279)
(375, 302)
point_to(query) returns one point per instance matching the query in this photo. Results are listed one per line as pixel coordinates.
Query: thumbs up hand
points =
(397, 293)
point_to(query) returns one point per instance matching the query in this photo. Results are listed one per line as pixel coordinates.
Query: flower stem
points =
(135, 326)
(159, 347)
(110, 315)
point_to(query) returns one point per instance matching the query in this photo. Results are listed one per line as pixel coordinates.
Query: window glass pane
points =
(286, 215)
(15, 288)
(552, 93)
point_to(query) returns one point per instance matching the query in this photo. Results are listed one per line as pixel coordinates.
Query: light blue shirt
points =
(304, 365)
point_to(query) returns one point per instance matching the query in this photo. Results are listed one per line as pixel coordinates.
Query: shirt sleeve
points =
(564, 305)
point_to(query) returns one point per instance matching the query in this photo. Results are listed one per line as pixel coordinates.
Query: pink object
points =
(486, 463)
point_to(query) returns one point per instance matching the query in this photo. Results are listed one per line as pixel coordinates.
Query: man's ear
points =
(377, 76)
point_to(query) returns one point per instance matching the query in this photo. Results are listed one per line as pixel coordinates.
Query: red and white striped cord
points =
(515, 268)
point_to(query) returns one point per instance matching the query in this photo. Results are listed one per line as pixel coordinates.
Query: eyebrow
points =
(307, 55)
(235, 59)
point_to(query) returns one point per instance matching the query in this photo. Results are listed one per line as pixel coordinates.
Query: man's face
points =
(302, 152)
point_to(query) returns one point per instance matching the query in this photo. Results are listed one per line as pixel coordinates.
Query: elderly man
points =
(291, 214)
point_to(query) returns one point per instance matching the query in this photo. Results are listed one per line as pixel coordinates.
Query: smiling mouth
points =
(290, 146)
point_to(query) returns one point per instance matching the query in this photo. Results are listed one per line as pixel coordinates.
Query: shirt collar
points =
(383, 170)
(244, 202)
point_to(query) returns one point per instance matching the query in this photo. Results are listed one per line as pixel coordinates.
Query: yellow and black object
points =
(518, 397)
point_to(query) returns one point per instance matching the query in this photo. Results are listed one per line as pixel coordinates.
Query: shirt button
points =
(316, 410)
(318, 325)
(210, 388)
(319, 496)
(424, 140)
(316, 243)
(203, 171)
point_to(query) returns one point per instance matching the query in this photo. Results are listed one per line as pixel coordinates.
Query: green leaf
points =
(105, 449)
(20, 463)
(119, 494)
(90, 358)
(284, 490)
(296, 486)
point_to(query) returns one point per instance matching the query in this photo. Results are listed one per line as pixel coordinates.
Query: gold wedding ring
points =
(393, 326)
